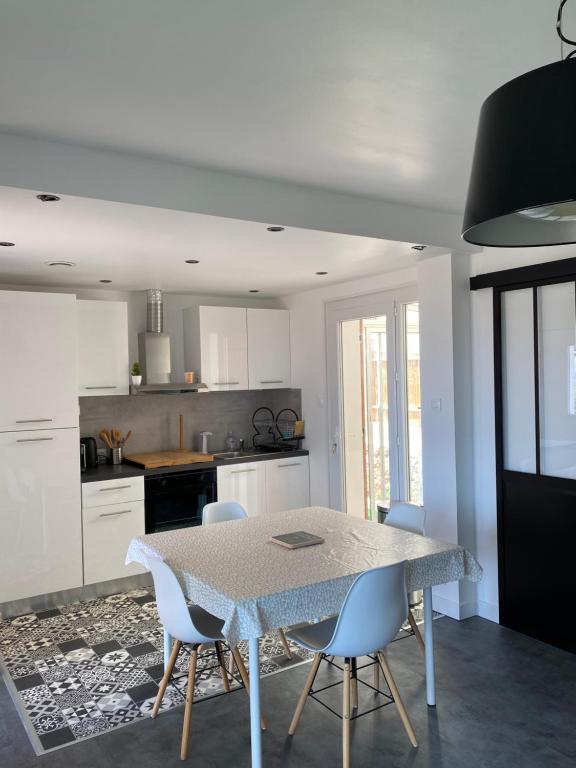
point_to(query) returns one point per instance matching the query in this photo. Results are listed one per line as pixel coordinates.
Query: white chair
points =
(408, 517)
(221, 512)
(373, 612)
(191, 625)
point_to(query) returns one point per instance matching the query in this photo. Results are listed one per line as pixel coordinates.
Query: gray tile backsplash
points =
(153, 419)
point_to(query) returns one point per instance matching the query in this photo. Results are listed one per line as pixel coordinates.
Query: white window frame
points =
(383, 303)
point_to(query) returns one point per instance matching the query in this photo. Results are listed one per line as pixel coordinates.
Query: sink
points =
(236, 454)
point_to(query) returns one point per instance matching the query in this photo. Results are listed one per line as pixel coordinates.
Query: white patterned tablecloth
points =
(234, 571)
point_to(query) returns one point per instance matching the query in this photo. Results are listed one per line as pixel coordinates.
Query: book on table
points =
(297, 539)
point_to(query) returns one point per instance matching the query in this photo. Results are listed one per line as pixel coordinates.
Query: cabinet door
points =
(107, 532)
(268, 348)
(38, 388)
(287, 484)
(224, 350)
(244, 483)
(103, 364)
(41, 541)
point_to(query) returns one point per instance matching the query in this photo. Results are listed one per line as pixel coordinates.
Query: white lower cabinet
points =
(107, 532)
(287, 484)
(244, 483)
(112, 514)
(266, 486)
(41, 541)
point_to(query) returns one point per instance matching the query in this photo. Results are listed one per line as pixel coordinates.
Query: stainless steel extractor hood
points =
(154, 352)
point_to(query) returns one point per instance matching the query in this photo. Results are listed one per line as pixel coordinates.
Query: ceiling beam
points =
(68, 169)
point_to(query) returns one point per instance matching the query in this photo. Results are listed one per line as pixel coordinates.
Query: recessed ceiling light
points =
(192, 261)
(48, 198)
(275, 229)
(6, 244)
(60, 264)
(105, 281)
(418, 247)
(254, 290)
(321, 273)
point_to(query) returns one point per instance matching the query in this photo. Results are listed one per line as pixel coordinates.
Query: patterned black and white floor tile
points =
(86, 668)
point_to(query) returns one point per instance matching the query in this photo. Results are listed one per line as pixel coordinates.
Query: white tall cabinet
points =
(38, 378)
(103, 362)
(234, 348)
(41, 543)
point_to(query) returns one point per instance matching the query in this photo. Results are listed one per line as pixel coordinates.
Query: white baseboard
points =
(454, 609)
(488, 611)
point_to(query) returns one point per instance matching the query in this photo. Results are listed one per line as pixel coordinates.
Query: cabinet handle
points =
(113, 514)
(34, 439)
(115, 488)
(272, 381)
(224, 383)
(294, 464)
(113, 386)
(240, 471)
(31, 421)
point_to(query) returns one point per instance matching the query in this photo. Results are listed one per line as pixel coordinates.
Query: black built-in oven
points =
(176, 500)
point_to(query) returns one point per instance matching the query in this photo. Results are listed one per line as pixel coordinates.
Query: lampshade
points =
(522, 188)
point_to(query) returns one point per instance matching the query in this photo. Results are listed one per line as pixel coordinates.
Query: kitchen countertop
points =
(114, 471)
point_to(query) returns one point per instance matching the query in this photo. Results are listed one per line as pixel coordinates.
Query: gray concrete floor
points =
(504, 701)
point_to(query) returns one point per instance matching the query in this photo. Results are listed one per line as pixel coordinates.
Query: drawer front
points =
(103, 492)
(107, 532)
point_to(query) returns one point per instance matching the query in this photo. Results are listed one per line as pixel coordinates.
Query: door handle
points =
(273, 381)
(34, 439)
(224, 383)
(112, 386)
(115, 488)
(240, 471)
(293, 464)
(31, 421)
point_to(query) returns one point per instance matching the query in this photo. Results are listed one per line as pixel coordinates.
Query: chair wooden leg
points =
(166, 679)
(376, 673)
(416, 629)
(304, 695)
(285, 643)
(354, 685)
(231, 664)
(189, 702)
(222, 665)
(346, 716)
(397, 698)
(245, 679)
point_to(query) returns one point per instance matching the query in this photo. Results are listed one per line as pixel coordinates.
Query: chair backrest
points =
(221, 511)
(171, 603)
(373, 612)
(407, 516)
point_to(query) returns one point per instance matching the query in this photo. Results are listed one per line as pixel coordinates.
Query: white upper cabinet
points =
(216, 347)
(268, 348)
(103, 363)
(38, 379)
(237, 348)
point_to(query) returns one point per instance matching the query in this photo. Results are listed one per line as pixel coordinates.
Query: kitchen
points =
(41, 414)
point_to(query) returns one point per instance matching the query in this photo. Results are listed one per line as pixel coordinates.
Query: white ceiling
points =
(138, 247)
(375, 97)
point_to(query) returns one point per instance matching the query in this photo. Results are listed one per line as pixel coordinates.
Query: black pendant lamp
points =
(522, 188)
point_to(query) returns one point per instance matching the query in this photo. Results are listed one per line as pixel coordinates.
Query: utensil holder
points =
(116, 455)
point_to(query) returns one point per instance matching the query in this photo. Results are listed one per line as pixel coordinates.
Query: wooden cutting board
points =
(167, 458)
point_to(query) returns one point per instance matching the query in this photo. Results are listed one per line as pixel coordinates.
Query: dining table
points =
(235, 571)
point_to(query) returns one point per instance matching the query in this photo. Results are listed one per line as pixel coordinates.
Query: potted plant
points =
(136, 374)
